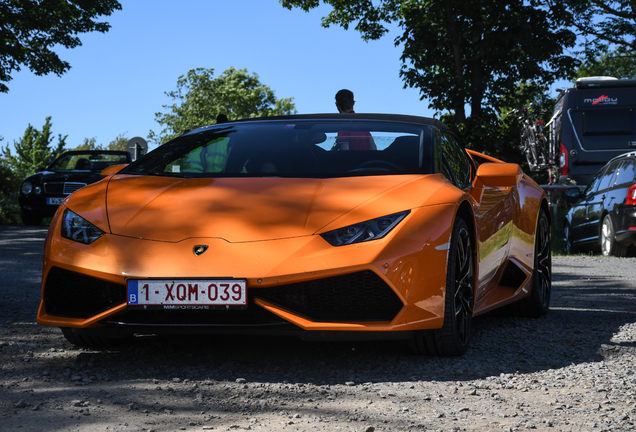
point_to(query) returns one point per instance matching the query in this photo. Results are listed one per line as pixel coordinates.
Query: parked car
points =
(592, 123)
(43, 192)
(363, 226)
(604, 214)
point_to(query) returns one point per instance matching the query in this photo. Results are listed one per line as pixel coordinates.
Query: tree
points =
(609, 64)
(462, 53)
(33, 151)
(29, 30)
(604, 25)
(9, 186)
(119, 143)
(201, 98)
(89, 144)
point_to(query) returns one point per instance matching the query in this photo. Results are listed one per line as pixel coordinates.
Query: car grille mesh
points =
(71, 294)
(360, 296)
(65, 188)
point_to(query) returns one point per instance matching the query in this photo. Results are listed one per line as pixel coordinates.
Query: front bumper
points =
(395, 284)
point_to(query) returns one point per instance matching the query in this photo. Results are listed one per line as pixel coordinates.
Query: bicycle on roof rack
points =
(539, 151)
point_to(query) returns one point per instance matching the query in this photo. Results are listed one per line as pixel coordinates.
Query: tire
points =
(31, 219)
(567, 239)
(538, 303)
(609, 245)
(86, 339)
(453, 338)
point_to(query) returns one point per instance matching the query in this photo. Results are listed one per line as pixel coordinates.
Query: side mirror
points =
(574, 193)
(113, 169)
(498, 175)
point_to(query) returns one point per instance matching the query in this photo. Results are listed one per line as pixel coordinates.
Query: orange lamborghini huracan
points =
(323, 226)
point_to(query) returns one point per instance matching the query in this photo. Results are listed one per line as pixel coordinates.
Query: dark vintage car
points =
(43, 192)
(604, 215)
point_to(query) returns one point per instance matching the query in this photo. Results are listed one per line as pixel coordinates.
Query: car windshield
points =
(294, 148)
(89, 161)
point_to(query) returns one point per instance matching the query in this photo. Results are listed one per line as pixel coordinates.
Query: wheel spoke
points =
(544, 260)
(464, 279)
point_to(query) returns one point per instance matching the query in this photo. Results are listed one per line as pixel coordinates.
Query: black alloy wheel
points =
(453, 338)
(542, 274)
(538, 302)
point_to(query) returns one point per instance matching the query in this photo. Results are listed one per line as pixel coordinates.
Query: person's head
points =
(221, 118)
(344, 101)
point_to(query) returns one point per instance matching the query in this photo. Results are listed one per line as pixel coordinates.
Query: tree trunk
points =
(458, 71)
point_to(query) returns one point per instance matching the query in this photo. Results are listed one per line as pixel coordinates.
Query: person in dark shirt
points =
(351, 140)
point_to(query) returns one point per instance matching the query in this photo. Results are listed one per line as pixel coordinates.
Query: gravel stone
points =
(572, 370)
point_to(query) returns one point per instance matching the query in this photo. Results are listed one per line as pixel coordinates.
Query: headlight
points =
(79, 229)
(364, 231)
(37, 190)
(26, 188)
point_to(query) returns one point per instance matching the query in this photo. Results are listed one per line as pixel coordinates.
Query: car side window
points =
(626, 172)
(607, 179)
(455, 160)
(593, 186)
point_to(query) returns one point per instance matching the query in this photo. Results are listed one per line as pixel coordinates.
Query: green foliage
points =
(119, 143)
(200, 98)
(89, 144)
(615, 64)
(9, 185)
(33, 151)
(605, 25)
(499, 135)
(475, 53)
(465, 52)
(31, 28)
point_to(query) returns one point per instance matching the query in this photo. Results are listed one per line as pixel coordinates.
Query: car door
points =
(594, 208)
(578, 220)
(493, 215)
(617, 195)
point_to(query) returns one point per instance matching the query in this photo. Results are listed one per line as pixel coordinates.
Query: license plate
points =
(187, 294)
(54, 201)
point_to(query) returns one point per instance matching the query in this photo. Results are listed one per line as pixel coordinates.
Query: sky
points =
(118, 80)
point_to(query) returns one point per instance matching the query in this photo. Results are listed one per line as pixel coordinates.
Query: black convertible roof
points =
(355, 116)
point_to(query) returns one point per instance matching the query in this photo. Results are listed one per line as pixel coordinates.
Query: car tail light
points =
(631, 195)
(563, 160)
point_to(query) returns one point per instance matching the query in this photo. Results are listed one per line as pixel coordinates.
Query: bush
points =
(9, 186)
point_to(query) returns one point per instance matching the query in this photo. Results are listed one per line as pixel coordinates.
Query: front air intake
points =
(75, 295)
(360, 296)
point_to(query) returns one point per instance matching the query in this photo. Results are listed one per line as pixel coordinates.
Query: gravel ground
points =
(572, 370)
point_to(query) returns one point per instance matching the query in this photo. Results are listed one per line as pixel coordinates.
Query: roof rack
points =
(604, 82)
(628, 154)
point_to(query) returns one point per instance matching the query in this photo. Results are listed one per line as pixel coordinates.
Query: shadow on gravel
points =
(587, 310)
(20, 271)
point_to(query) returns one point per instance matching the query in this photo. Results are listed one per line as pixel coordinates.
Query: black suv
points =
(605, 213)
(592, 123)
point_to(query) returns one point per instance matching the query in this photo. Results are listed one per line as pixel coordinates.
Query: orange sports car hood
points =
(243, 209)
